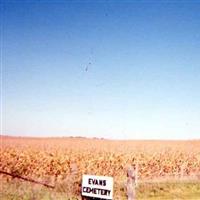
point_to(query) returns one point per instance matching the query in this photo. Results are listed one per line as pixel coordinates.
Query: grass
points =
(169, 190)
(21, 190)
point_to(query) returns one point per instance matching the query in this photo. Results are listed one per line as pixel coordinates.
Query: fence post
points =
(136, 175)
(182, 170)
(131, 178)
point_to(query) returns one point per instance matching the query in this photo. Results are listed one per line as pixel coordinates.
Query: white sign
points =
(97, 186)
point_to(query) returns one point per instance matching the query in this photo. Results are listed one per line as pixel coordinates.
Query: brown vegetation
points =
(60, 161)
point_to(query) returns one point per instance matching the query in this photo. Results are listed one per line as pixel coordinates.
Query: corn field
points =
(59, 163)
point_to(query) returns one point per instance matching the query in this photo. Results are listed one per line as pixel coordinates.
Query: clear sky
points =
(101, 69)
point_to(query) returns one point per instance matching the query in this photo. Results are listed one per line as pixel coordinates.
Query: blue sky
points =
(101, 69)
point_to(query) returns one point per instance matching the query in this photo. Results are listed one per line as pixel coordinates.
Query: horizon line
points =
(97, 138)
